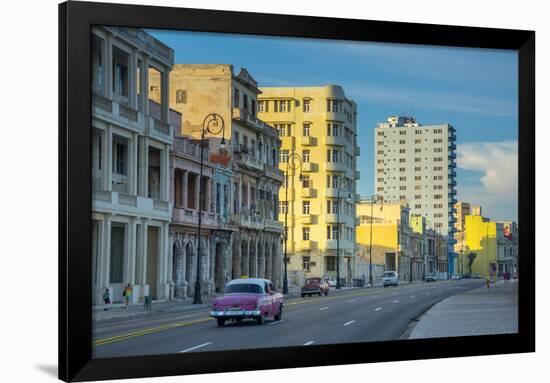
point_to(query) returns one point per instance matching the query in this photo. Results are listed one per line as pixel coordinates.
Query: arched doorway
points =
(267, 263)
(252, 260)
(236, 260)
(189, 255)
(274, 258)
(218, 268)
(244, 258)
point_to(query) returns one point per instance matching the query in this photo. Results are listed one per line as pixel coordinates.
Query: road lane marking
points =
(412, 297)
(378, 309)
(308, 343)
(195, 347)
(348, 323)
(134, 334)
(428, 293)
(351, 300)
(275, 322)
(323, 308)
(396, 301)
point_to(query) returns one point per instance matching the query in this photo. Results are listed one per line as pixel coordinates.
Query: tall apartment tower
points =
(418, 163)
(318, 124)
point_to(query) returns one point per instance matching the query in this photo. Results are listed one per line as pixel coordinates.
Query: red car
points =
(315, 286)
(248, 298)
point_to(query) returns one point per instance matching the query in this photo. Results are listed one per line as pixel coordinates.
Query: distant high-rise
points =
(418, 163)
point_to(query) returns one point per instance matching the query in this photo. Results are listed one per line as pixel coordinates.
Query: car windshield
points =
(389, 274)
(250, 288)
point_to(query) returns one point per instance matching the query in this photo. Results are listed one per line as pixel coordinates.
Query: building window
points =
(438, 140)
(262, 106)
(417, 187)
(380, 152)
(305, 129)
(438, 196)
(417, 196)
(438, 150)
(335, 155)
(417, 168)
(306, 263)
(402, 142)
(335, 233)
(306, 105)
(380, 134)
(403, 178)
(438, 168)
(417, 178)
(418, 141)
(283, 156)
(305, 233)
(306, 182)
(402, 188)
(380, 179)
(402, 132)
(236, 99)
(305, 207)
(418, 131)
(418, 206)
(305, 156)
(331, 263)
(283, 207)
(402, 160)
(401, 151)
(181, 96)
(120, 154)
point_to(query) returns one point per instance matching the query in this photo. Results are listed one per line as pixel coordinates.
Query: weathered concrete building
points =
(246, 179)
(131, 139)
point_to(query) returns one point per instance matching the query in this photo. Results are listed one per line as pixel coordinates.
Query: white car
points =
(455, 277)
(389, 278)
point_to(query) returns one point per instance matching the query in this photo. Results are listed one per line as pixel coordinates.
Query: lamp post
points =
(213, 124)
(375, 199)
(293, 163)
(345, 185)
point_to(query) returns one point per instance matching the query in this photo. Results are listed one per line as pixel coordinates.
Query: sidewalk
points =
(477, 312)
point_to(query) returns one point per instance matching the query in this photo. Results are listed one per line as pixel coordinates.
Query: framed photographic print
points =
(326, 191)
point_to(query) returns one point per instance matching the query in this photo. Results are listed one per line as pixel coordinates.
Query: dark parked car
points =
(315, 286)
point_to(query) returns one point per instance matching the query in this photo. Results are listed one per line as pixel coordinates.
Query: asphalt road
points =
(356, 315)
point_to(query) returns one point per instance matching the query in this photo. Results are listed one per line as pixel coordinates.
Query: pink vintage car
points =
(245, 298)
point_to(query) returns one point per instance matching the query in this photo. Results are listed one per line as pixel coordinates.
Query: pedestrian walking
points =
(106, 299)
(487, 281)
(127, 294)
(515, 276)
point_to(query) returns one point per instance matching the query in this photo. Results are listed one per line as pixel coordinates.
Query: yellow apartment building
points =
(390, 238)
(480, 236)
(320, 125)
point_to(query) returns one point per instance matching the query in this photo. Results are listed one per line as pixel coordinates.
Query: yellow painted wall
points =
(384, 240)
(480, 237)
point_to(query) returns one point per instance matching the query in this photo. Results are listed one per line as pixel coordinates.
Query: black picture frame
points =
(75, 309)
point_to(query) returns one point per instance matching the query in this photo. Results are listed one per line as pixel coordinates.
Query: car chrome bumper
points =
(235, 313)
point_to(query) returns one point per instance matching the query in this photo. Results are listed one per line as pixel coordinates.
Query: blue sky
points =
(475, 90)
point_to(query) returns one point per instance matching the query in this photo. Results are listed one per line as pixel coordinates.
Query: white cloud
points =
(497, 190)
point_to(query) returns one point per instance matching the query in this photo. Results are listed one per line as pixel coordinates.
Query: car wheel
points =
(221, 322)
(326, 293)
(279, 314)
(303, 295)
(260, 319)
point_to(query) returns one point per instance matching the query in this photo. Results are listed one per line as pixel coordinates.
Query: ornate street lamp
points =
(375, 199)
(213, 124)
(344, 186)
(294, 163)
